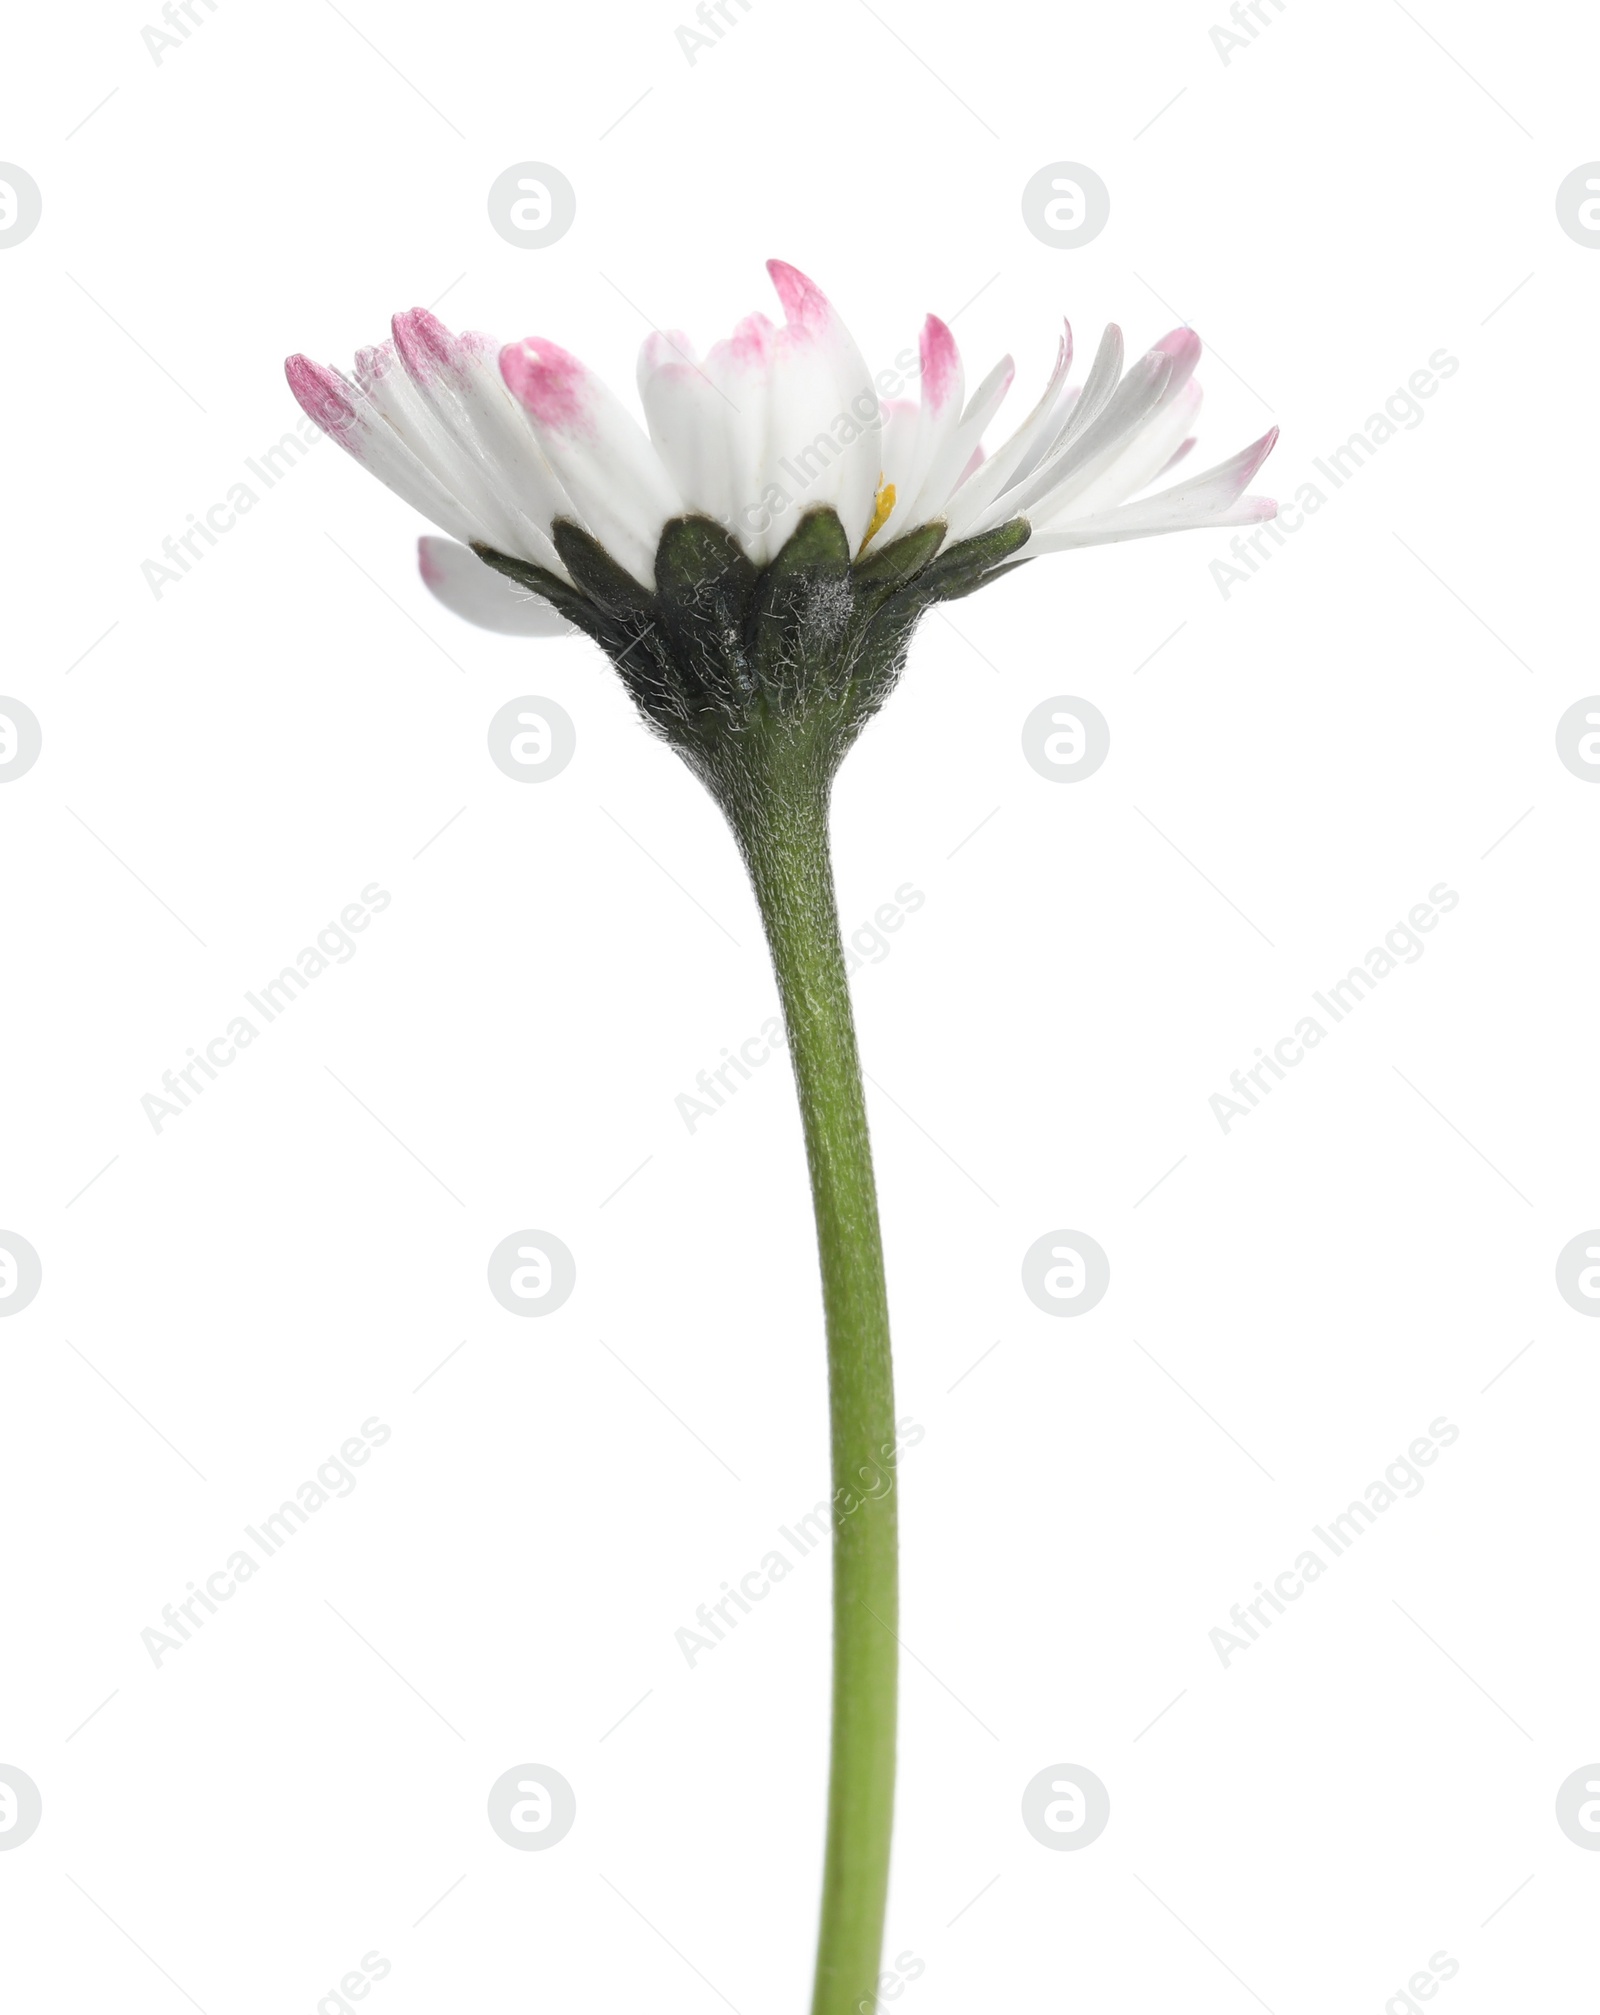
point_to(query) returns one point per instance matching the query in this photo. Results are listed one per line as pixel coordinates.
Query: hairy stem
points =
(782, 828)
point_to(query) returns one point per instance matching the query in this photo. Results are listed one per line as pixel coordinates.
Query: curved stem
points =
(784, 836)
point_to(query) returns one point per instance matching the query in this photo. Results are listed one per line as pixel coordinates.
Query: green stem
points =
(783, 831)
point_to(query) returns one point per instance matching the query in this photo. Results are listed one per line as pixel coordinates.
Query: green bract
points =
(802, 651)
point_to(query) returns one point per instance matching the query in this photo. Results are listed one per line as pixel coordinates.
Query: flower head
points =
(764, 544)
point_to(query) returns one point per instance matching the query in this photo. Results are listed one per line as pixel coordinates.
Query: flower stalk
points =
(784, 838)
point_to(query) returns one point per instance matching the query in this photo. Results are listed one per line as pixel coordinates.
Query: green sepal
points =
(817, 543)
(891, 566)
(973, 582)
(599, 576)
(704, 585)
(801, 613)
(962, 567)
(562, 596)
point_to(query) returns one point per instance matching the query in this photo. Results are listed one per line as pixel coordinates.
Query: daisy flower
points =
(511, 449)
(754, 558)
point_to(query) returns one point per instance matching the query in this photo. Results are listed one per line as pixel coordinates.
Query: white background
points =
(1294, 768)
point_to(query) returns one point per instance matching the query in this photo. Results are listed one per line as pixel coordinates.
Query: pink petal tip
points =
(548, 381)
(1262, 448)
(1183, 345)
(751, 341)
(426, 346)
(941, 361)
(804, 302)
(322, 393)
(663, 348)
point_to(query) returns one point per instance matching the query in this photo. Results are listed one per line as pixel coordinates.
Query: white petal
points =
(348, 416)
(740, 370)
(458, 380)
(804, 457)
(1076, 405)
(949, 463)
(943, 389)
(902, 422)
(600, 454)
(1214, 498)
(1089, 446)
(811, 314)
(1075, 411)
(943, 393)
(1180, 454)
(1180, 350)
(977, 492)
(685, 410)
(1132, 521)
(676, 395)
(478, 594)
(1138, 464)
(661, 347)
(441, 449)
